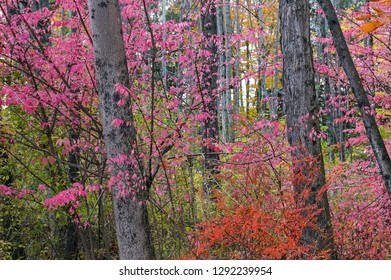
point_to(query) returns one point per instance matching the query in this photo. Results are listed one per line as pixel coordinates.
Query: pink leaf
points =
(117, 122)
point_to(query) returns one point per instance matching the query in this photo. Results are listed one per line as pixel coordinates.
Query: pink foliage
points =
(9, 191)
(66, 197)
(361, 212)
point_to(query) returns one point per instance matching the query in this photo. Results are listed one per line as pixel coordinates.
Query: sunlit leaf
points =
(379, 11)
(371, 26)
(364, 17)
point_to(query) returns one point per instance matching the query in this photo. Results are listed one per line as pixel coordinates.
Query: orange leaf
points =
(379, 11)
(363, 17)
(371, 26)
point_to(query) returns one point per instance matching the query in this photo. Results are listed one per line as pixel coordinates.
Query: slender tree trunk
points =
(71, 245)
(248, 55)
(209, 87)
(238, 84)
(337, 91)
(228, 69)
(302, 121)
(248, 100)
(371, 128)
(130, 212)
(261, 104)
(73, 173)
(274, 101)
(222, 75)
(341, 125)
(331, 140)
(327, 91)
(181, 80)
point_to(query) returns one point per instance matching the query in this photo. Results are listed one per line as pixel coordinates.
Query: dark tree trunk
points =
(302, 120)
(37, 5)
(210, 94)
(73, 174)
(131, 216)
(371, 128)
(71, 241)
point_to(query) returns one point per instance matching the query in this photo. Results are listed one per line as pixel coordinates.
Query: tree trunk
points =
(222, 73)
(261, 91)
(238, 84)
(209, 87)
(181, 80)
(302, 121)
(228, 69)
(130, 212)
(371, 128)
(248, 64)
(328, 91)
(273, 104)
(71, 244)
(248, 59)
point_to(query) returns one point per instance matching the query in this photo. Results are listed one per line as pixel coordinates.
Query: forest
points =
(206, 129)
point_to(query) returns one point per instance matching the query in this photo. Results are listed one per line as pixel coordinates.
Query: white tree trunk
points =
(228, 69)
(237, 63)
(130, 212)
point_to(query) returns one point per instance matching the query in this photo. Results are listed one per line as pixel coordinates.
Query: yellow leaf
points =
(363, 17)
(371, 26)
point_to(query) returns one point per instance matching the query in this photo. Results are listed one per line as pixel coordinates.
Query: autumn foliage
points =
(55, 187)
(257, 213)
(361, 213)
(258, 222)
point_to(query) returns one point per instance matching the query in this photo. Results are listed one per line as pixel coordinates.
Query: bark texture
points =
(371, 128)
(210, 94)
(302, 120)
(131, 219)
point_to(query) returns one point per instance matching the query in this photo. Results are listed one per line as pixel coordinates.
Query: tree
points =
(302, 119)
(209, 93)
(261, 90)
(371, 128)
(128, 186)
